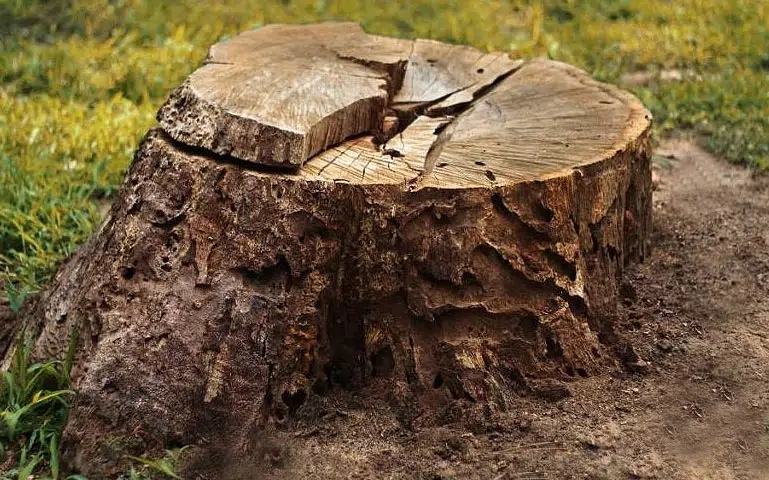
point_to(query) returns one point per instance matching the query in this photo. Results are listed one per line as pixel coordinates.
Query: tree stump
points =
(322, 210)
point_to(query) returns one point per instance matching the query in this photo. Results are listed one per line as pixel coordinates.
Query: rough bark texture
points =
(477, 261)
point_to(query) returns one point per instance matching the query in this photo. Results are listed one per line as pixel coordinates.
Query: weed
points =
(16, 294)
(165, 466)
(35, 401)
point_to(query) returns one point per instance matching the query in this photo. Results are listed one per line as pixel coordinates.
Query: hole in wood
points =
(127, 272)
(382, 362)
(438, 381)
(294, 400)
(553, 348)
(561, 265)
(279, 415)
(392, 153)
(543, 213)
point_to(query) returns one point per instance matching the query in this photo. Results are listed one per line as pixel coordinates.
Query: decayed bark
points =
(473, 255)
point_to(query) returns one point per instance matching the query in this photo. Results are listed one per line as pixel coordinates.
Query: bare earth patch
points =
(697, 312)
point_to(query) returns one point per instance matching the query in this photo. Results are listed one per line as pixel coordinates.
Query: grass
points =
(35, 399)
(165, 466)
(34, 402)
(80, 81)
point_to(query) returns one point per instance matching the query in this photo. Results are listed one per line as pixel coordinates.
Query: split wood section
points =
(450, 232)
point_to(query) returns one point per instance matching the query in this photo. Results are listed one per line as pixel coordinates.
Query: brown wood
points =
(450, 234)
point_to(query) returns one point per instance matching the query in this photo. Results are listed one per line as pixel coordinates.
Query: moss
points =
(81, 80)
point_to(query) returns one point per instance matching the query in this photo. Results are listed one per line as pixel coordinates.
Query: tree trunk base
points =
(221, 297)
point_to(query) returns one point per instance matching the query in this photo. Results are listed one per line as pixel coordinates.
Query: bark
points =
(464, 246)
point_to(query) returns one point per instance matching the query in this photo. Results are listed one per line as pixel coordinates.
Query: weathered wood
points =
(281, 94)
(452, 232)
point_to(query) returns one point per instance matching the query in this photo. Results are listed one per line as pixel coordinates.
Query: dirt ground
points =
(697, 312)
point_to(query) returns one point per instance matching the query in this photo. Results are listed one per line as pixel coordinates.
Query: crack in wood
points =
(336, 275)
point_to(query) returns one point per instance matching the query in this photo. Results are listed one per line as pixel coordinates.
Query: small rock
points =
(665, 345)
(632, 361)
(656, 181)
(638, 366)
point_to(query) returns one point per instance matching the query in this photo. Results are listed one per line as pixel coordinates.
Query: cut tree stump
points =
(321, 210)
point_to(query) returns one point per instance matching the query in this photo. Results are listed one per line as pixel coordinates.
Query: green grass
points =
(35, 399)
(34, 403)
(80, 81)
(165, 466)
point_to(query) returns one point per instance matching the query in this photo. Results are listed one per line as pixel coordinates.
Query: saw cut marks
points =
(449, 75)
(542, 121)
(280, 94)
(336, 104)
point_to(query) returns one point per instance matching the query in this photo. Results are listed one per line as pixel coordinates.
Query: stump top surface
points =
(336, 104)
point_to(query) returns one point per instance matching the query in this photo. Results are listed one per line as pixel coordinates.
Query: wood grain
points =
(294, 95)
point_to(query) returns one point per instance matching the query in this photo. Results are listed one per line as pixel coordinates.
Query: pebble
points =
(665, 345)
